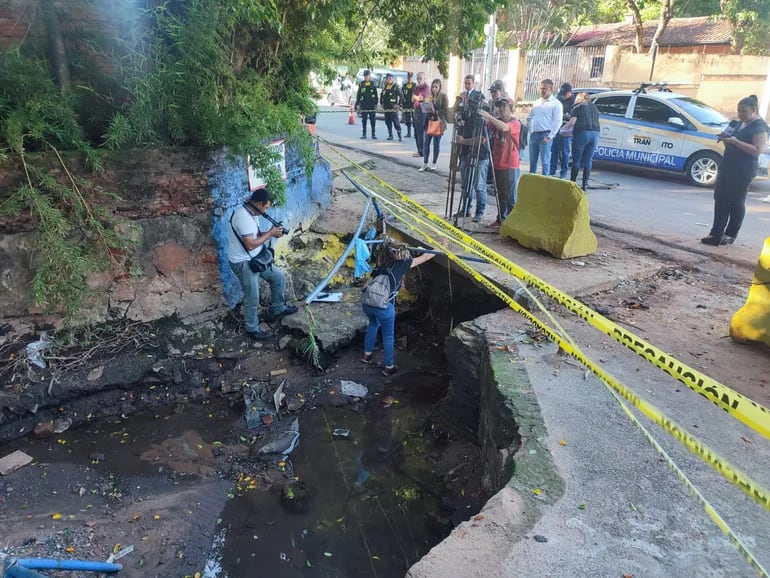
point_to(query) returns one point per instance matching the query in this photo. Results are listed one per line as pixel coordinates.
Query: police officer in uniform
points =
(407, 104)
(390, 99)
(366, 101)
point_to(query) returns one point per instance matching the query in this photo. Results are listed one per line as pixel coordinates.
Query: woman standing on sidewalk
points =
(440, 104)
(585, 136)
(744, 141)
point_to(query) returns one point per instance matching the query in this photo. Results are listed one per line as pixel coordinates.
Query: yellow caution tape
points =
(751, 413)
(727, 470)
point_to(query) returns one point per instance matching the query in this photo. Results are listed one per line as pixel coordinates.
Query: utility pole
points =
(489, 48)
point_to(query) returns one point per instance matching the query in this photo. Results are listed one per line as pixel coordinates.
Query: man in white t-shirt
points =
(247, 240)
(545, 119)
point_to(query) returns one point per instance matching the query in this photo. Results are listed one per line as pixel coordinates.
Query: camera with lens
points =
(475, 102)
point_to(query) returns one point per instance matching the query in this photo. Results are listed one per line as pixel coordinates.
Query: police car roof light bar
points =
(661, 86)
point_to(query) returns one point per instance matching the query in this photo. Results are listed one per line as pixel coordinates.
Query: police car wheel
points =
(702, 169)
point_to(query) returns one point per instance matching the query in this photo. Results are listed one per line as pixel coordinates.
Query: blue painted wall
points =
(228, 182)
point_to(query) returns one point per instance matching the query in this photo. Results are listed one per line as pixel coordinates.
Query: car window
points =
(649, 110)
(701, 112)
(613, 105)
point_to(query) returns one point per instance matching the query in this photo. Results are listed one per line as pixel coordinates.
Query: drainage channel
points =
(376, 480)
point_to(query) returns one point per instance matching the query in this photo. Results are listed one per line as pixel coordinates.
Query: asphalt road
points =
(633, 199)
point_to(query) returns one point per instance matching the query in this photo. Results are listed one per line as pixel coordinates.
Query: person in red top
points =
(504, 131)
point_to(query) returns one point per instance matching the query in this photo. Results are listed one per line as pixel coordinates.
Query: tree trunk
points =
(665, 16)
(639, 27)
(58, 53)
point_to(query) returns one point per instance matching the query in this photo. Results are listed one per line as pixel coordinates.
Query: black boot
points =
(374, 136)
(390, 137)
(399, 137)
(573, 174)
(409, 132)
(586, 176)
(363, 137)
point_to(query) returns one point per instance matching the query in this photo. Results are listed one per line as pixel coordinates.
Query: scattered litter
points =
(353, 389)
(562, 442)
(120, 553)
(278, 397)
(36, 349)
(328, 554)
(581, 506)
(537, 491)
(277, 372)
(328, 298)
(341, 433)
(61, 425)
(578, 263)
(387, 401)
(255, 407)
(282, 556)
(540, 538)
(13, 462)
(362, 257)
(285, 443)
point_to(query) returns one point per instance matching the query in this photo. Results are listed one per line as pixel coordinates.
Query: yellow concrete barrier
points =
(551, 215)
(752, 321)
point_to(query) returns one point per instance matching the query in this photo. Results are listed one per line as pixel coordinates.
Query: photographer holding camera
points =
(251, 257)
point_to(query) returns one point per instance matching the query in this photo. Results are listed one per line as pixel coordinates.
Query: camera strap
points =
(237, 236)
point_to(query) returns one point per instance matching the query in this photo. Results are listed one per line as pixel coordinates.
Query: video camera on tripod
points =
(475, 101)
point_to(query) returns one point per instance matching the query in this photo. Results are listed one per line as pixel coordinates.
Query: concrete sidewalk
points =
(638, 518)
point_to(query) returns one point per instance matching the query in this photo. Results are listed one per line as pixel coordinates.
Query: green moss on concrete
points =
(533, 472)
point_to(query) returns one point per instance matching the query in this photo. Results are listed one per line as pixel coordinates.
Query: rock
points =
(43, 429)
(294, 403)
(353, 389)
(169, 257)
(95, 373)
(13, 462)
(540, 538)
(284, 342)
(61, 425)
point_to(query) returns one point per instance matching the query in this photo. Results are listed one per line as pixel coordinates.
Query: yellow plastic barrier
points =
(551, 215)
(752, 321)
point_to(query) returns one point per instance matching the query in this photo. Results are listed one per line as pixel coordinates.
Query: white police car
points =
(662, 130)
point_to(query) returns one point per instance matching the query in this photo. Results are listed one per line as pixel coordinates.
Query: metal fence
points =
(581, 67)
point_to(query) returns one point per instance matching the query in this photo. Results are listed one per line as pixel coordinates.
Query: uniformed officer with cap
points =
(407, 104)
(390, 99)
(366, 102)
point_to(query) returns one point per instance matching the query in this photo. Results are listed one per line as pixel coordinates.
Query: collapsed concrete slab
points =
(551, 215)
(752, 321)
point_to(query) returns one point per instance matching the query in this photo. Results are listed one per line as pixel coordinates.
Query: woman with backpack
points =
(379, 299)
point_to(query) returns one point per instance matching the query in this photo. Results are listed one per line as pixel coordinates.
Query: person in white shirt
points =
(246, 241)
(544, 122)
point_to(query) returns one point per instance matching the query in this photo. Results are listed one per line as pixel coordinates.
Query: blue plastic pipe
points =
(22, 572)
(84, 565)
(341, 260)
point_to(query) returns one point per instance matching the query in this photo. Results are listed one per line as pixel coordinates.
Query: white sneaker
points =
(423, 168)
(766, 199)
(432, 168)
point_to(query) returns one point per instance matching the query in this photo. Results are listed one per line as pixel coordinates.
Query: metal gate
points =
(581, 67)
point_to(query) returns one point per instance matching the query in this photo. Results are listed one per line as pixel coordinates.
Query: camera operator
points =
(249, 244)
(474, 153)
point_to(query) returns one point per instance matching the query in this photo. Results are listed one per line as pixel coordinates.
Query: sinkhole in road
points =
(403, 468)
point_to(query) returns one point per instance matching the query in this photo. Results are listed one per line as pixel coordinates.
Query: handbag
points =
(435, 128)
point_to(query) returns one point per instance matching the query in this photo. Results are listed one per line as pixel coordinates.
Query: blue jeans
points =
(584, 144)
(426, 147)
(385, 319)
(507, 183)
(250, 285)
(538, 148)
(560, 154)
(477, 189)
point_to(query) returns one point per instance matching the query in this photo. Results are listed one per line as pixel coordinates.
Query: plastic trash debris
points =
(255, 407)
(36, 349)
(341, 433)
(120, 553)
(278, 397)
(353, 389)
(282, 556)
(363, 474)
(285, 443)
(362, 258)
(370, 234)
(328, 298)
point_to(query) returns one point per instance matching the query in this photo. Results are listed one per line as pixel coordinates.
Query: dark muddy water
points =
(370, 504)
